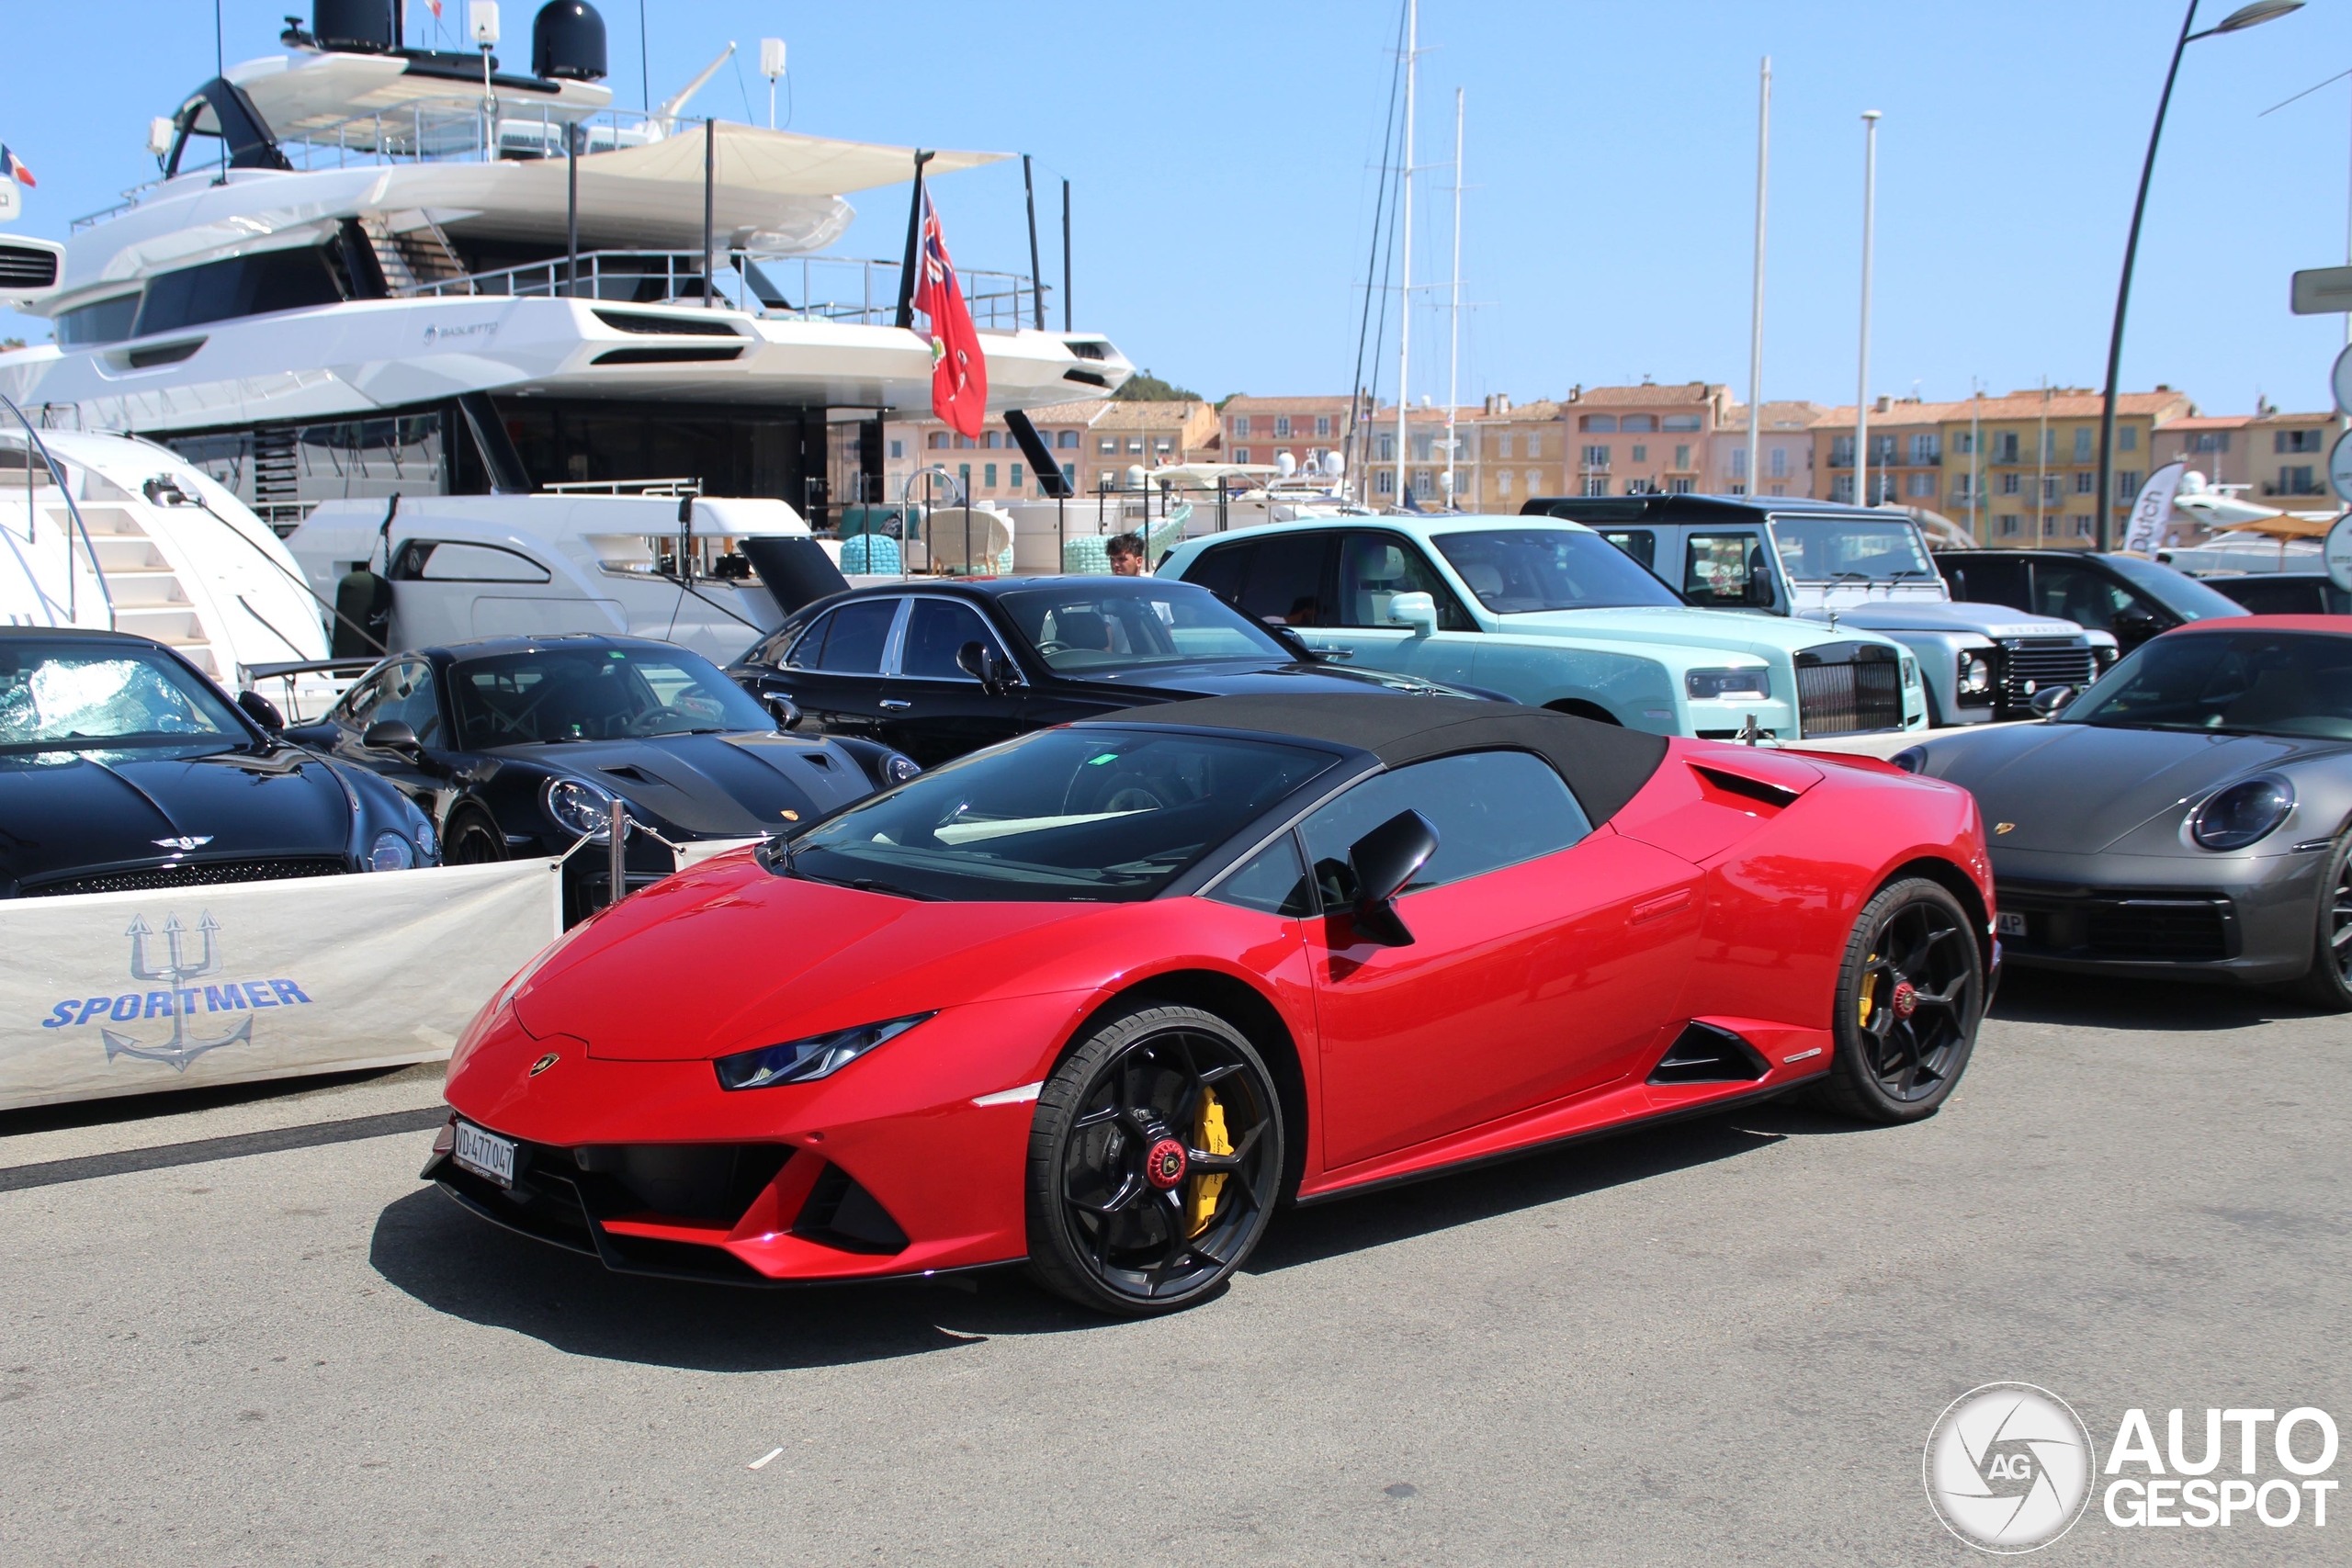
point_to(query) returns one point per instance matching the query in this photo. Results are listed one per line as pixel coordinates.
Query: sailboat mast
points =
(1404, 287)
(1454, 350)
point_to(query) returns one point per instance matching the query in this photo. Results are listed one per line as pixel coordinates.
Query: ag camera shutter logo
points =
(2008, 1467)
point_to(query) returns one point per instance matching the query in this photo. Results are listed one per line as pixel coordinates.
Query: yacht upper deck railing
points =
(792, 287)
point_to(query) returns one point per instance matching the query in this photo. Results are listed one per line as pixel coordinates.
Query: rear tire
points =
(1910, 995)
(2328, 984)
(1155, 1158)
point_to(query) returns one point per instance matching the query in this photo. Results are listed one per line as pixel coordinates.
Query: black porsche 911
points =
(520, 746)
(124, 768)
(941, 667)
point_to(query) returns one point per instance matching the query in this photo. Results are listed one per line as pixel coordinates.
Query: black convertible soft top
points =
(1603, 765)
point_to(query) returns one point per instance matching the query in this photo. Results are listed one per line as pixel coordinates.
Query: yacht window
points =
(108, 321)
(442, 560)
(241, 285)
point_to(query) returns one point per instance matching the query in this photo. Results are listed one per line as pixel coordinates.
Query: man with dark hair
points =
(1125, 551)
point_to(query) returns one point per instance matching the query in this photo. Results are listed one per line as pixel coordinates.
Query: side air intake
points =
(1703, 1053)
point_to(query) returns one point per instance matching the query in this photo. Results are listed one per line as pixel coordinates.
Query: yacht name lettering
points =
(480, 329)
(235, 996)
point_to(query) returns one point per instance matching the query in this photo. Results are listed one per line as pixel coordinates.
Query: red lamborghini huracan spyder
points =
(1102, 996)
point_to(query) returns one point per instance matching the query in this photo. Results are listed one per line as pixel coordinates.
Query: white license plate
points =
(2011, 924)
(485, 1154)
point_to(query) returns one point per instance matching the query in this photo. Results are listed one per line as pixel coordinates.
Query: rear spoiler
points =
(353, 666)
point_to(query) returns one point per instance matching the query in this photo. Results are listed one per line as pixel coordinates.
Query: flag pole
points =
(915, 234)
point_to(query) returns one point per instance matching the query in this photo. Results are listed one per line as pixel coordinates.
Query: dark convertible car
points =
(123, 767)
(940, 668)
(520, 746)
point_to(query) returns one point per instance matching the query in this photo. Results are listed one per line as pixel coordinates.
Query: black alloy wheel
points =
(2329, 983)
(1155, 1158)
(471, 839)
(1910, 995)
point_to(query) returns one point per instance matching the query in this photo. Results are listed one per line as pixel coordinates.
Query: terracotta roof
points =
(2213, 421)
(1541, 411)
(2074, 405)
(1648, 395)
(1787, 414)
(1139, 414)
(1243, 402)
(2289, 419)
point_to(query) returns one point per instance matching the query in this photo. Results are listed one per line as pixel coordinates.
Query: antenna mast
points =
(1453, 351)
(1405, 286)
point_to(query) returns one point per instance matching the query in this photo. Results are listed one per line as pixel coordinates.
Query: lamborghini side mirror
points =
(262, 711)
(2051, 701)
(1385, 861)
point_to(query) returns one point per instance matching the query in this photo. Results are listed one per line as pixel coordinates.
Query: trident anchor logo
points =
(177, 971)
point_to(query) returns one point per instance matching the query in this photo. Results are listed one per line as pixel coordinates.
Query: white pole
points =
(1756, 306)
(1862, 389)
(1976, 464)
(1405, 292)
(1453, 353)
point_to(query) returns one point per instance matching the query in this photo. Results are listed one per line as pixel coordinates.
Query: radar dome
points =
(568, 42)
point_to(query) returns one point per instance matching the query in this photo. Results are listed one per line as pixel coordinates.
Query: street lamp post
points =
(2244, 17)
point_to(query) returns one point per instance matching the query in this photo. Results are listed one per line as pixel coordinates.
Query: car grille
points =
(1849, 688)
(2122, 926)
(195, 874)
(2030, 663)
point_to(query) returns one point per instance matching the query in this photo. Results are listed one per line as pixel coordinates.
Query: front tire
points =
(2329, 983)
(1155, 1158)
(471, 839)
(1910, 995)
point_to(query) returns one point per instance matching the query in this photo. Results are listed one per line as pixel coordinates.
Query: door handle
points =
(893, 704)
(1334, 652)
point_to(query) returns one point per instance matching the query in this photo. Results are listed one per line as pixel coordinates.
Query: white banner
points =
(2153, 510)
(127, 993)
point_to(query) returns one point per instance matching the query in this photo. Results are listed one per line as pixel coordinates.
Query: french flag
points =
(14, 167)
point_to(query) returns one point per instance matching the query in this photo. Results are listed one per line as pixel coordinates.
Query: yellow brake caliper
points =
(1206, 1189)
(1870, 989)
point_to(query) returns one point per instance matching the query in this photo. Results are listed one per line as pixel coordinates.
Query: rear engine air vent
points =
(1703, 1053)
(665, 326)
(1740, 784)
(685, 354)
(841, 1213)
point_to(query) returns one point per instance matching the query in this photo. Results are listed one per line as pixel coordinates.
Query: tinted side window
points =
(1988, 580)
(1375, 568)
(1639, 543)
(358, 707)
(1718, 567)
(936, 629)
(1491, 809)
(1223, 570)
(408, 696)
(445, 561)
(849, 640)
(1286, 582)
(2279, 595)
(1273, 881)
(2074, 595)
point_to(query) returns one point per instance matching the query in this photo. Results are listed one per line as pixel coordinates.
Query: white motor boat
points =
(367, 269)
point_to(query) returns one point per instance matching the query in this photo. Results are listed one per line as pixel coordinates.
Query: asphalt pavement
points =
(242, 1331)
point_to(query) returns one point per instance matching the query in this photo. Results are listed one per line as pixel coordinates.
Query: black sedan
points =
(124, 768)
(520, 746)
(2128, 597)
(936, 668)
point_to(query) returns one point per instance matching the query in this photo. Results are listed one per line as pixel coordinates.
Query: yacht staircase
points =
(413, 257)
(150, 600)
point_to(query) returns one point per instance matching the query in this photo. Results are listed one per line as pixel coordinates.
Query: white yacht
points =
(367, 269)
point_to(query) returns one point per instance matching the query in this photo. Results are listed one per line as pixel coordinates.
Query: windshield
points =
(78, 697)
(1098, 815)
(2176, 591)
(1103, 628)
(2228, 683)
(1514, 571)
(596, 692)
(1837, 549)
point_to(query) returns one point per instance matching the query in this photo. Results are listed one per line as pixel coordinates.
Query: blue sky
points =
(1222, 163)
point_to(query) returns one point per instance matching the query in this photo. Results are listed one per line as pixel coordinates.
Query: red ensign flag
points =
(959, 369)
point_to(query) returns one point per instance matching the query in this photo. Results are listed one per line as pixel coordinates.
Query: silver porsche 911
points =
(2188, 816)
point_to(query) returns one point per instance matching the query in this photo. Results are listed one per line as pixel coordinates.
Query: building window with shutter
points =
(1241, 425)
(1385, 482)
